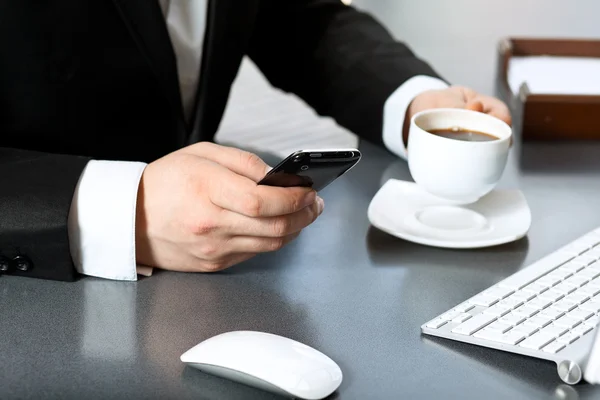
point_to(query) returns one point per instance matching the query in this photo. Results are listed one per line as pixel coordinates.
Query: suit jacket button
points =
(22, 263)
(4, 264)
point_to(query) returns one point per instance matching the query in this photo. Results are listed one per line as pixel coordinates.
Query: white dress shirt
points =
(102, 215)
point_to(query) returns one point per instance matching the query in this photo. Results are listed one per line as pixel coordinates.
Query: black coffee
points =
(464, 134)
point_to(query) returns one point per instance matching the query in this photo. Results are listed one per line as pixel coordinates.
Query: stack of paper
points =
(555, 75)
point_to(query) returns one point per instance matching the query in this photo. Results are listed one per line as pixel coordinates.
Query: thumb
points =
(475, 105)
(238, 161)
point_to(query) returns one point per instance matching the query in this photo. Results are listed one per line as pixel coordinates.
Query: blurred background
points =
(458, 38)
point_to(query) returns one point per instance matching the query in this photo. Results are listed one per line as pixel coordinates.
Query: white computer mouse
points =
(268, 362)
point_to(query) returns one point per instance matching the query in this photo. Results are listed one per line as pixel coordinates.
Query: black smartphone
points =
(312, 168)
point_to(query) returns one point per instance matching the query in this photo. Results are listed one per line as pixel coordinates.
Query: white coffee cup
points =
(457, 170)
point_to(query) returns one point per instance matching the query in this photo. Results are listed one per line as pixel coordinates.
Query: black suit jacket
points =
(98, 79)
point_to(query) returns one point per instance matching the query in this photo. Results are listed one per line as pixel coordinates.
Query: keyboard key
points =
(512, 319)
(437, 323)
(464, 307)
(573, 266)
(594, 283)
(536, 341)
(554, 330)
(551, 313)
(526, 311)
(582, 329)
(539, 303)
(563, 273)
(498, 326)
(526, 329)
(525, 296)
(592, 305)
(584, 259)
(576, 281)
(483, 300)
(450, 315)
(538, 321)
(589, 290)
(551, 279)
(497, 310)
(487, 334)
(577, 297)
(595, 252)
(552, 295)
(512, 337)
(579, 314)
(498, 292)
(511, 302)
(564, 288)
(568, 338)
(564, 305)
(554, 347)
(567, 322)
(589, 273)
(474, 324)
(461, 318)
(535, 288)
(592, 321)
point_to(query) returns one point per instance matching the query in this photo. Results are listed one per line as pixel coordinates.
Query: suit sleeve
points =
(37, 190)
(339, 60)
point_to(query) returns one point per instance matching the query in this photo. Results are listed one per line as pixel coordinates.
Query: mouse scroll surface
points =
(267, 361)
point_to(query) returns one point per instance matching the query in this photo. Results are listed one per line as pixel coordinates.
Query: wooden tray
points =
(549, 117)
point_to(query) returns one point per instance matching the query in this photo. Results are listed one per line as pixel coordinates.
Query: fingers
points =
(273, 227)
(234, 187)
(241, 162)
(240, 195)
(253, 244)
(487, 104)
(236, 250)
(496, 108)
(475, 105)
(219, 265)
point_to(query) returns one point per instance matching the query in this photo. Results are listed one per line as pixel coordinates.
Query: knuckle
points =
(214, 266)
(210, 251)
(203, 145)
(203, 227)
(251, 159)
(252, 205)
(276, 244)
(296, 203)
(196, 148)
(281, 226)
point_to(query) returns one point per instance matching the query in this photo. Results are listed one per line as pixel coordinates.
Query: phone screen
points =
(316, 169)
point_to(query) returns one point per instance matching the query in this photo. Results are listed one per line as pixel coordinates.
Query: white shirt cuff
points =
(102, 220)
(396, 106)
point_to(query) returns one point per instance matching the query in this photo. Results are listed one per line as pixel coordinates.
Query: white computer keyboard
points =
(548, 310)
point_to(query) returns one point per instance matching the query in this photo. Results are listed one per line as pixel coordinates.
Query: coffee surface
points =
(464, 135)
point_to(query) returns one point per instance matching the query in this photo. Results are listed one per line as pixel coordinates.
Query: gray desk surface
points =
(343, 287)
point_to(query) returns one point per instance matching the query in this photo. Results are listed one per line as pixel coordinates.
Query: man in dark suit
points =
(92, 91)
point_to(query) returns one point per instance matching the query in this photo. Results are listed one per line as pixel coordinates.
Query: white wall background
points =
(459, 37)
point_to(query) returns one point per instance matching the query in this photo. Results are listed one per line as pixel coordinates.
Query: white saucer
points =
(405, 210)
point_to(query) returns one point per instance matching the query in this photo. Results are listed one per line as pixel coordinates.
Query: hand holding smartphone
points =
(312, 168)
